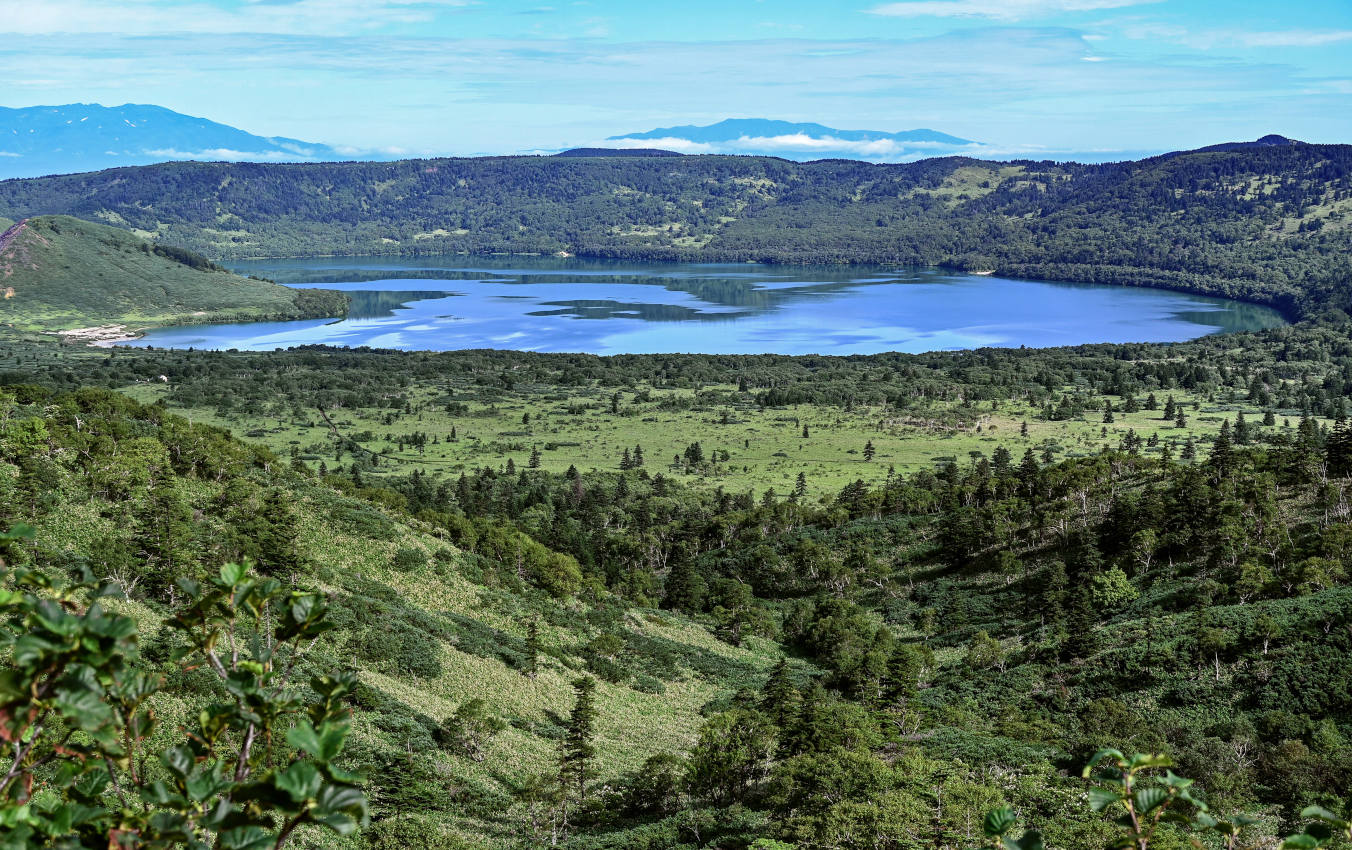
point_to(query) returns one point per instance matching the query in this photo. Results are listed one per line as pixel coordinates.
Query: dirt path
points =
(8, 236)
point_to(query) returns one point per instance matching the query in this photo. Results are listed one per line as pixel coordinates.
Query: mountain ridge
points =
(41, 140)
(800, 140)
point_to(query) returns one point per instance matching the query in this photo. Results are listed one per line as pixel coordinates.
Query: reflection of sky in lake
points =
(614, 308)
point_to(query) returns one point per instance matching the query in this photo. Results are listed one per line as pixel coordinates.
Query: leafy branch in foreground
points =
(1144, 804)
(1326, 829)
(1146, 800)
(997, 827)
(76, 719)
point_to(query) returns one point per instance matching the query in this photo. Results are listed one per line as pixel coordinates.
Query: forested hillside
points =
(636, 656)
(1265, 223)
(58, 272)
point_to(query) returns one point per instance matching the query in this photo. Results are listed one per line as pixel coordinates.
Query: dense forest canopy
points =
(1264, 223)
(638, 656)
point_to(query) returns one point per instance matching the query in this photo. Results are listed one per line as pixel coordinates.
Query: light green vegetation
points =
(765, 446)
(425, 626)
(59, 273)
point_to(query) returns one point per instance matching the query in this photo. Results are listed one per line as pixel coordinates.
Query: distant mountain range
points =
(40, 140)
(78, 137)
(799, 141)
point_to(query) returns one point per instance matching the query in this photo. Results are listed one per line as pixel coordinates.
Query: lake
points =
(615, 307)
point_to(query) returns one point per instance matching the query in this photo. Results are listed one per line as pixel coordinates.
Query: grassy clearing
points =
(765, 448)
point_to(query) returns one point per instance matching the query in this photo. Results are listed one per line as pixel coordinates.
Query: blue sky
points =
(465, 77)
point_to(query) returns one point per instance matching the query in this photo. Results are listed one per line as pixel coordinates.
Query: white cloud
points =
(1294, 38)
(1207, 39)
(8, 153)
(227, 155)
(796, 145)
(151, 17)
(1006, 10)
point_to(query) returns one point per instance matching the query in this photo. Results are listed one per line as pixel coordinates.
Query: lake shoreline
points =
(622, 307)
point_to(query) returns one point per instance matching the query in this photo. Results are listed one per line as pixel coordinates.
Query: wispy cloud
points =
(152, 17)
(798, 145)
(1212, 38)
(1293, 38)
(1003, 10)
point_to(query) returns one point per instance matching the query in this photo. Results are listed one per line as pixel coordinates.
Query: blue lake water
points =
(604, 307)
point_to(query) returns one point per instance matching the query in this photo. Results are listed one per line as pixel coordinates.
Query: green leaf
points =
(232, 574)
(1304, 841)
(1321, 813)
(1031, 840)
(303, 736)
(1143, 761)
(1101, 755)
(1149, 799)
(301, 780)
(998, 821)
(324, 744)
(1101, 798)
(179, 760)
(245, 838)
(335, 798)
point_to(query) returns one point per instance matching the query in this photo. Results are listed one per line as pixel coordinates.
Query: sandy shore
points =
(103, 336)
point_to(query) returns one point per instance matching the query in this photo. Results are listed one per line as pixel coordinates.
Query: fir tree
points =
(577, 750)
(532, 649)
(1081, 628)
(779, 696)
(1222, 454)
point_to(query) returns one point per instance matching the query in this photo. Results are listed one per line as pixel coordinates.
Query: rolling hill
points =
(61, 273)
(1267, 223)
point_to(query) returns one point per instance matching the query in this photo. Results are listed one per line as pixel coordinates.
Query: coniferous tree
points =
(532, 649)
(779, 696)
(276, 536)
(1081, 628)
(1222, 454)
(577, 749)
(1338, 450)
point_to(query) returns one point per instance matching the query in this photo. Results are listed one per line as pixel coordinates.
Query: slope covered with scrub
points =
(58, 272)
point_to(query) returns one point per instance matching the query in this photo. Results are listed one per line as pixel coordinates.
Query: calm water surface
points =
(632, 308)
